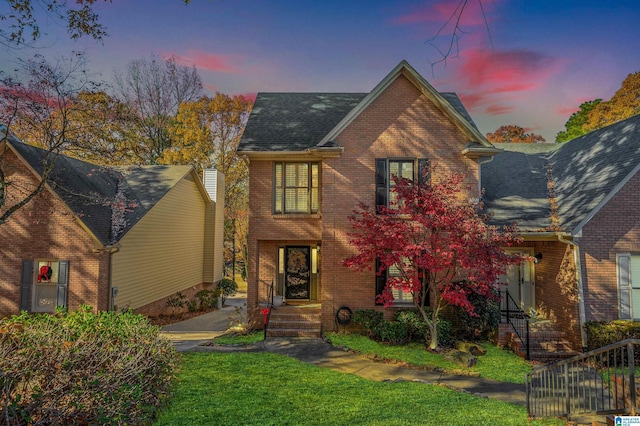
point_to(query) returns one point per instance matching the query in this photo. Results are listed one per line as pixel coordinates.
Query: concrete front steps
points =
(295, 321)
(547, 343)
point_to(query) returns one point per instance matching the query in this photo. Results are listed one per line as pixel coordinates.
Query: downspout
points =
(581, 310)
(113, 291)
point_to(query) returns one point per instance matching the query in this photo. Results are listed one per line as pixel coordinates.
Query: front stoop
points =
(295, 321)
(547, 343)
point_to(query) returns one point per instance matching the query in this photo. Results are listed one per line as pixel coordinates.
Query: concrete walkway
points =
(190, 334)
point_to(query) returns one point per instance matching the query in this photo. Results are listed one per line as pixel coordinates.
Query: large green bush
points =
(82, 368)
(485, 318)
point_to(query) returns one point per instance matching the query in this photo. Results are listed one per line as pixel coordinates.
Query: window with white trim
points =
(296, 187)
(628, 285)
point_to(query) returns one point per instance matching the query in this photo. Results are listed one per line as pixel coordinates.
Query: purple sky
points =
(546, 56)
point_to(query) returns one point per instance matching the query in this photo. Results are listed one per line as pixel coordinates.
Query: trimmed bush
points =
(370, 320)
(486, 319)
(603, 333)
(227, 288)
(393, 332)
(83, 368)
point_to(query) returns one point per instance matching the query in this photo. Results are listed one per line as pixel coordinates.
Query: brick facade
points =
(400, 123)
(614, 229)
(46, 229)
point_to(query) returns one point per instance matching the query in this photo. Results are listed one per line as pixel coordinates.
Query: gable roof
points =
(88, 190)
(297, 122)
(587, 172)
(461, 120)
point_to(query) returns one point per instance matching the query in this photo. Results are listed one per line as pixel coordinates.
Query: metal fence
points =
(597, 382)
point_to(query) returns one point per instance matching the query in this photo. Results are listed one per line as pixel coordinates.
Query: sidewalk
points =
(188, 335)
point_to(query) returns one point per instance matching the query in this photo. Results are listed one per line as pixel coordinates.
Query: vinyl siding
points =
(164, 252)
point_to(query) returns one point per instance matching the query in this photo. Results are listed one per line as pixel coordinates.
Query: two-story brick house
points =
(314, 156)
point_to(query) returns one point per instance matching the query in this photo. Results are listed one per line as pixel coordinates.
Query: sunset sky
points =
(544, 59)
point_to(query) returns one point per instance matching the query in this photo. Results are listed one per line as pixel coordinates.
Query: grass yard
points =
(497, 364)
(269, 389)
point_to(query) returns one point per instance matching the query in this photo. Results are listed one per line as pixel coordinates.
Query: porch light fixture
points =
(537, 257)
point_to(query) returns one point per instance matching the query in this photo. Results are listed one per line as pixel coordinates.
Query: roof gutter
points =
(314, 152)
(576, 259)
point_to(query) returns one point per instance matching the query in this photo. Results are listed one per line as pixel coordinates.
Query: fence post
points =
(526, 320)
(566, 388)
(632, 377)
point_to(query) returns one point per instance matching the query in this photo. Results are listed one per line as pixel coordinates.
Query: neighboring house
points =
(314, 156)
(112, 238)
(577, 206)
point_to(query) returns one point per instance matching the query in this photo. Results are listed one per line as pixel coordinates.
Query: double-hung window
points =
(415, 169)
(400, 297)
(628, 285)
(296, 187)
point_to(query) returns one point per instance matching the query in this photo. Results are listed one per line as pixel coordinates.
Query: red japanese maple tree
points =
(441, 245)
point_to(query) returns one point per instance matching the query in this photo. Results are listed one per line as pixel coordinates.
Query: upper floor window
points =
(296, 187)
(415, 169)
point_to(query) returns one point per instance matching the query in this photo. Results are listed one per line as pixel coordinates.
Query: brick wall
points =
(614, 229)
(400, 123)
(45, 229)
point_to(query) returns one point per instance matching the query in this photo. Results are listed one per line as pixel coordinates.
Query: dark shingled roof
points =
(299, 121)
(294, 121)
(585, 171)
(515, 186)
(89, 189)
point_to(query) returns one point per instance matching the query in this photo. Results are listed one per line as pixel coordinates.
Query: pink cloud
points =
(487, 81)
(209, 62)
(499, 109)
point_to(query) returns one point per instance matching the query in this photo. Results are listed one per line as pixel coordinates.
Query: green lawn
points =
(497, 364)
(269, 389)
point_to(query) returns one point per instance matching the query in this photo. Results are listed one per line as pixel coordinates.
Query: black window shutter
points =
(63, 283)
(381, 182)
(424, 175)
(381, 281)
(26, 282)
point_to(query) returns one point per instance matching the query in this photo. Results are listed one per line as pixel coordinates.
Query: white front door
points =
(520, 282)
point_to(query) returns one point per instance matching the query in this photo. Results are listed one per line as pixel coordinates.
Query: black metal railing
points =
(268, 308)
(602, 381)
(517, 318)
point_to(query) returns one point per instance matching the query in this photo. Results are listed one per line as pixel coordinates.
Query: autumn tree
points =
(206, 133)
(441, 249)
(154, 88)
(625, 103)
(39, 111)
(102, 128)
(574, 127)
(513, 134)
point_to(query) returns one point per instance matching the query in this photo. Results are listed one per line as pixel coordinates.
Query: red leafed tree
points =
(442, 247)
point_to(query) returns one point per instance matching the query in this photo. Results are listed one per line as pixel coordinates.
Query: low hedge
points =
(83, 368)
(603, 333)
